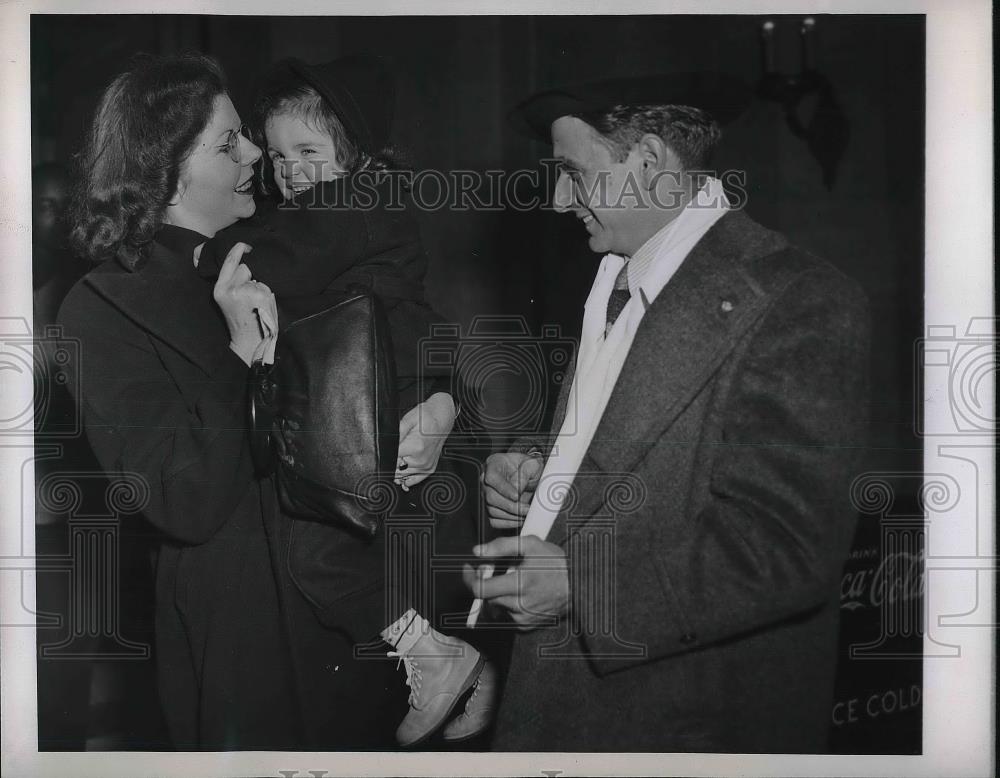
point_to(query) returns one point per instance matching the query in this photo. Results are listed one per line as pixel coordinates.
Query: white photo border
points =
(959, 725)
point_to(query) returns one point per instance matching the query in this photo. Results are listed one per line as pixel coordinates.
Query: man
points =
(63, 687)
(54, 269)
(676, 582)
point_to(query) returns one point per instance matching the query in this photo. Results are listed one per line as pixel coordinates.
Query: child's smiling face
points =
(301, 154)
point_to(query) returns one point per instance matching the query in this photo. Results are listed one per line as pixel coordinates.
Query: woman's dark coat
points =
(242, 661)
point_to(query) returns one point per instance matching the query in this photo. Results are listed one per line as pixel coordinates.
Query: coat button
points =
(688, 638)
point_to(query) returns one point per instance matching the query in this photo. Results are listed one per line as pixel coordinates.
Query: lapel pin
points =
(726, 306)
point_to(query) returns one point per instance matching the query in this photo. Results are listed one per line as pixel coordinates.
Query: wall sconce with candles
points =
(827, 131)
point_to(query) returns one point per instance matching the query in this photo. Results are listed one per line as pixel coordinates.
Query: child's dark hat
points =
(721, 96)
(361, 90)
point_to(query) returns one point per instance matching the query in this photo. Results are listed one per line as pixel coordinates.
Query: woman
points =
(242, 662)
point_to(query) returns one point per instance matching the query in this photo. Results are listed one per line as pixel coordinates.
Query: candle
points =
(767, 45)
(808, 31)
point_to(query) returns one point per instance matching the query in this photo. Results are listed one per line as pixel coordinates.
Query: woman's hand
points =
(239, 297)
(422, 434)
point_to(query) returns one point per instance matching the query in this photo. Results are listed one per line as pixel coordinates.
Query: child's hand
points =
(422, 434)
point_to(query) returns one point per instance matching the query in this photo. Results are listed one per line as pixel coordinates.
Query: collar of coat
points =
(167, 298)
(715, 296)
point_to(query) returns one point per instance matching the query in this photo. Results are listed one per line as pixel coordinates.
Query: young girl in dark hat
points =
(342, 217)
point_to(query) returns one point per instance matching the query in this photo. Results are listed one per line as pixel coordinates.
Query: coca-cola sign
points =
(898, 577)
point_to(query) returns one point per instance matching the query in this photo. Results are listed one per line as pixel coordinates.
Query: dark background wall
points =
(457, 78)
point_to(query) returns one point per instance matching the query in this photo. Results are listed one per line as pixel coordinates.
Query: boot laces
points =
(475, 691)
(413, 675)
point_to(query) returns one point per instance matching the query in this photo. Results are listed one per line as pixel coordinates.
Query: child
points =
(342, 220)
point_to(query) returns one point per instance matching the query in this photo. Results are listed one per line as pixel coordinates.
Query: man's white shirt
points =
(600, 359)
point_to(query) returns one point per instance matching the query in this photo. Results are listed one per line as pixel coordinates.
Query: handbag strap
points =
(382, 286)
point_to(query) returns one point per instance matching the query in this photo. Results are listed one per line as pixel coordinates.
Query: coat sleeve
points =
(298, 250)
(189, 448)
(540, 443)
(766, 541)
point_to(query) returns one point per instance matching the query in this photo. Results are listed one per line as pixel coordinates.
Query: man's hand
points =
(510, 480)
(422, 434)
(535, 592)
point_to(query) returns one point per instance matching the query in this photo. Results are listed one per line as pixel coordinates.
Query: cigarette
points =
(486, 572)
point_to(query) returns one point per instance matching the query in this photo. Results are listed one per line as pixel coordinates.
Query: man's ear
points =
(656, 158)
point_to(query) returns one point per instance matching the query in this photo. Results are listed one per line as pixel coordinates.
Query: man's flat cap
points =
(721, 96)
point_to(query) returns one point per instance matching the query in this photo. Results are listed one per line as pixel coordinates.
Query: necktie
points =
(619, 298)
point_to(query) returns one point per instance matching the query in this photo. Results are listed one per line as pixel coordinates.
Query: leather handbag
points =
(324, 417)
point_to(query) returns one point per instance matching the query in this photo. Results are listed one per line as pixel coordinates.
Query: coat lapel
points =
(161, 298)
(695, 321)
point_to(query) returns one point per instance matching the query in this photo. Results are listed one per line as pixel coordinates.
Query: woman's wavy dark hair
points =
(285, 94)
(146, 125)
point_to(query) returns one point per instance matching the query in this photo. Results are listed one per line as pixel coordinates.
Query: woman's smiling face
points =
(215, 190)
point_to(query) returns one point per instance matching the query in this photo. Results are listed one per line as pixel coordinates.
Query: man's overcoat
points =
(710, 518)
